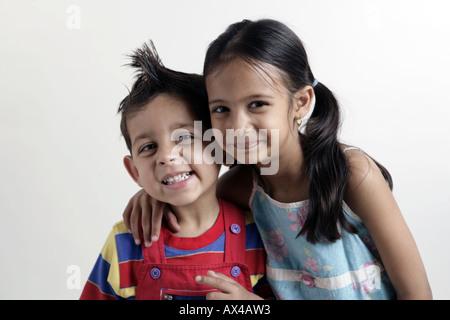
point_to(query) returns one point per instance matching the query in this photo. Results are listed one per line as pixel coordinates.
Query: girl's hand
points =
(146, 212)
(230, 289)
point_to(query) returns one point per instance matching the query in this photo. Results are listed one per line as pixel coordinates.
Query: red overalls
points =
(159, 280)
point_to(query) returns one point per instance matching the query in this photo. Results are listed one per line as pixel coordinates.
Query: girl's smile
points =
(246, 145)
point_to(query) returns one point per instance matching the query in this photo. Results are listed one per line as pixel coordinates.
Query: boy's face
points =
(163, 153)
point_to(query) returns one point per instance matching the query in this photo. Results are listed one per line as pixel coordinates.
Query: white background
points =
(62, 76)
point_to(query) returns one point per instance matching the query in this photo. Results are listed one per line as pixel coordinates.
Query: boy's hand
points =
(230, 289)
(142, 210)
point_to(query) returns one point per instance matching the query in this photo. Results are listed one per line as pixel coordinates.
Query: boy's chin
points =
(182, 201)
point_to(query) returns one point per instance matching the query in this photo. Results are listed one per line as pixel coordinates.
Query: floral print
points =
(298, 216)
(324, 270)
(312, 265)
(275, 245)
(366, 286)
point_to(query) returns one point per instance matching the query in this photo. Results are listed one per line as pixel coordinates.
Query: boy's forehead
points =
(164, 104)
(164, 112)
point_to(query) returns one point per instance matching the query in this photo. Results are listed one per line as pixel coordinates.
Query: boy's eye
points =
(185, 138)
(219, 109)
(147, 147)
(257, 104)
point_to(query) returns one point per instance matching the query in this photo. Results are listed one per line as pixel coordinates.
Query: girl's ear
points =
(302, 101)
(132, 170)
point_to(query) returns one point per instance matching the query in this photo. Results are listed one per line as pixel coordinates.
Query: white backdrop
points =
(62, 76)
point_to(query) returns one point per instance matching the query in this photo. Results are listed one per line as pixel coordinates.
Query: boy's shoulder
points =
(120, 227)
(119, 237)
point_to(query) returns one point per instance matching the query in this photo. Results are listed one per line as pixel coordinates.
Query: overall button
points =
(155, 273)
(235, 228)
(235, 271)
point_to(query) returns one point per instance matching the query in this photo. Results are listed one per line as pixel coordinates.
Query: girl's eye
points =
(257, 104)
(147, 147)
(220, 109)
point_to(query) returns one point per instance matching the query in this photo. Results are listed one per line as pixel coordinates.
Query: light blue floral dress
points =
(349, 268)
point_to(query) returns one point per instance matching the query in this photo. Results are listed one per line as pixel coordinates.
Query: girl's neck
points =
(290, 183)
(196, 218)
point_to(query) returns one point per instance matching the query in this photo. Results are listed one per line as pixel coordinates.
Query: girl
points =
(329, 222)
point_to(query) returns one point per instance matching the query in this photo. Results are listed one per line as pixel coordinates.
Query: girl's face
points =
(248, 99)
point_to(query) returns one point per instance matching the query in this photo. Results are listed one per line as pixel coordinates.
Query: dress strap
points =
(351, 148)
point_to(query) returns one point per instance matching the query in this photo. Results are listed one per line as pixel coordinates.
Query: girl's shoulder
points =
(367, 190)
(236, 185)
(362, 168)
(358, 162)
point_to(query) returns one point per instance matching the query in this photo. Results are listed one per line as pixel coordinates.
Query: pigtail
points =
(327, 170)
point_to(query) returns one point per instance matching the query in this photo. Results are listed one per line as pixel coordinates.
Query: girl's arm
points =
(370, 197)
(236, 185)
(143, 215)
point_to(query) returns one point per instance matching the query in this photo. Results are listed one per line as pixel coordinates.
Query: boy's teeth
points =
(177, 178)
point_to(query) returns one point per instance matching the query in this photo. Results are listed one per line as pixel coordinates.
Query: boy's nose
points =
(166, 160)
(168, 154)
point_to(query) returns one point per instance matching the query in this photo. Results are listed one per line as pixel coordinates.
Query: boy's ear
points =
(302, 101)
(131, 168)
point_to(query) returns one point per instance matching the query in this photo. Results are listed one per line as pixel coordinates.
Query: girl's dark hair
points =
(274, 43)
(152, 78)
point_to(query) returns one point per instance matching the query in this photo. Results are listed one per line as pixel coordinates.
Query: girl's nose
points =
(241, 121)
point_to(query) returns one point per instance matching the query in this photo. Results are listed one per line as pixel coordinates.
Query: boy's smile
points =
(176, 177)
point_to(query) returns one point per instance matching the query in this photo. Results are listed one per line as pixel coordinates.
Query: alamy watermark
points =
(73, 21)
(246, 147)
(73, 280)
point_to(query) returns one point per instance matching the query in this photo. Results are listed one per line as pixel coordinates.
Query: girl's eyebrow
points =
(216, 101)
(246, 98)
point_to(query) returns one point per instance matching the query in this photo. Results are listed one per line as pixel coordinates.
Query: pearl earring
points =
(299, 122)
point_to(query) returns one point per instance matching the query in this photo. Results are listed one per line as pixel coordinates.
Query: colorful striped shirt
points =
(116, 271)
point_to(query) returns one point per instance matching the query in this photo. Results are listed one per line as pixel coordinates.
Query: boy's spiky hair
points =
(152, 78)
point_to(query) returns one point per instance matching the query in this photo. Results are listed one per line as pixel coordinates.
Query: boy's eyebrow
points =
(182, 125)
(143, 135)
(252, 96)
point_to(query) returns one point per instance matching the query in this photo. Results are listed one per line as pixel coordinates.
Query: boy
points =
(158, 126)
